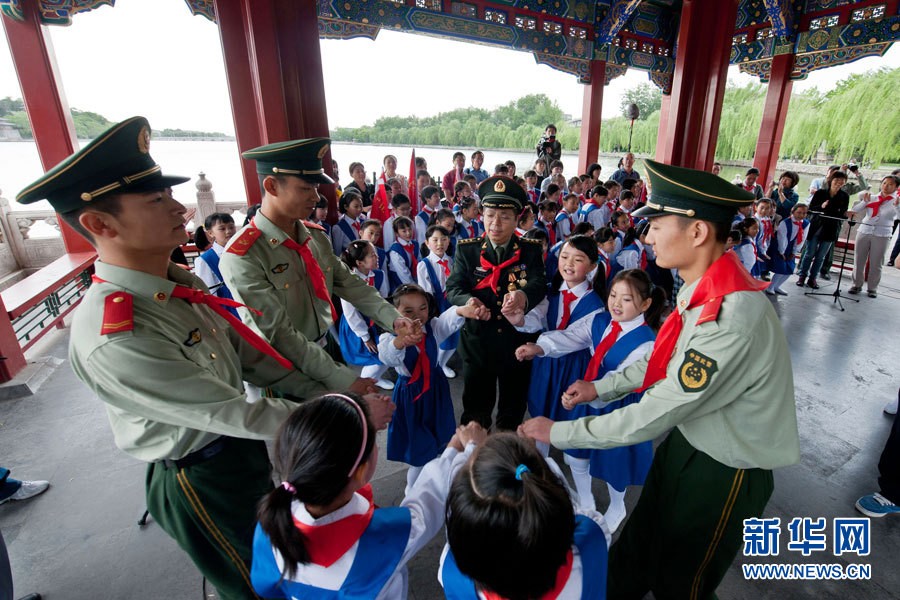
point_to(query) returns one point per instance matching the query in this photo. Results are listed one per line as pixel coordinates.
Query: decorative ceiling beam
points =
(620, 11)
(782, 17)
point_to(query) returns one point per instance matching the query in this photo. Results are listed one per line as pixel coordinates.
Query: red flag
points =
(380, 210)
(413, 193)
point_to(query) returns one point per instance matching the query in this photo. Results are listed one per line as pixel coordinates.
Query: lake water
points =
(19, 165)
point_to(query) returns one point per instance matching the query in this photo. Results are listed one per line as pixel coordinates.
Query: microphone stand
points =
(837, 290)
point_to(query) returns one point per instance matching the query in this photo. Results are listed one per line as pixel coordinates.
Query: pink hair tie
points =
(286, 485)
(365, 430)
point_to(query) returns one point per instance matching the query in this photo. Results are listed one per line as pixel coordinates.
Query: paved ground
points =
(80, 539)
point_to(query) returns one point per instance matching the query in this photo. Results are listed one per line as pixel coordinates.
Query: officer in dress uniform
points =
(720, 374)
(167, 358)
(284, 266)
(506, 274)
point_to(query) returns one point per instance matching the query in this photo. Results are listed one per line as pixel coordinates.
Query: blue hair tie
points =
(521, 470)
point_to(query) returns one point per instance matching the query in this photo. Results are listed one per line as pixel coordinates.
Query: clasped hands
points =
(538, 428)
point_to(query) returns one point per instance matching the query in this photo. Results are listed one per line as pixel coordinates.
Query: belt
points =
(198, 456)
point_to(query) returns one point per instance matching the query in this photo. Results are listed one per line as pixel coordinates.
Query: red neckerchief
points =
(562, 578)
(725, 276)
(568, 297)
(422, 370)
(593, 368)
(412, 257)
(876, 206)
(217, 305)
(799, 238)
(749, 188)
(490, 282)
(445, 265)
(327, 543)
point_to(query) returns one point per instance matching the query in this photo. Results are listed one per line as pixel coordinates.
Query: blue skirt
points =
(353, 348)
(781, 266)
(420, 429)
(626, 465)
(451, 342)
(550, 377)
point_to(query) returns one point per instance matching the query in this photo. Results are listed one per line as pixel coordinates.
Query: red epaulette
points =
(118, 313)
(311, 225)
(710, 311)
(241, 244)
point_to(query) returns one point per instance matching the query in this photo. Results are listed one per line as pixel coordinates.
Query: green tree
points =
(647, 96)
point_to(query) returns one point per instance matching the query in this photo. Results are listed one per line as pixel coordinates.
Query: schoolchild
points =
(627, 203)
(319, 533)
(605, 238)
(370, 230)
(744, 212)
(789, 239)
(873, 235)
(220, 226)
(461, 191)
(526, 220)
(583, 229)
(423, 422)
(575, 187)
(320, 214)
(432, 273)
(613, 189)
(403, 255)
(765, 212)
(594, 210)
(357, 332)
(473, 183)
(568, 217)
(734, 238)
(633, 254)
(546, 221)
(572, 298)
(746, 249)
(513, 532)
(400, 207)
(470, 226)
(349, 225)
(445, 218)
(552, 193)
(619, 337)
(531, 181)
(621, 223)
(431, 201)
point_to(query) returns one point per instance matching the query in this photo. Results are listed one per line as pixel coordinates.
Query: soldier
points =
(159, 351)
(506, 274)
(720, 374)
(283, 266)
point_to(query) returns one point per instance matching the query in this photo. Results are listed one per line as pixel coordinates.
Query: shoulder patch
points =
(118, 313)
(696, 371)
(242, 243)
(311, 225)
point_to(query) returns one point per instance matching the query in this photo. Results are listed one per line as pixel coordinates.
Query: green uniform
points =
(487, 348)
(172, 385)
(263, 273)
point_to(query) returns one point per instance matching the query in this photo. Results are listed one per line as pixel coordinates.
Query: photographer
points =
(548, 149)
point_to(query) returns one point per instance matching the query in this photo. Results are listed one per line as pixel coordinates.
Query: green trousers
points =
(210, 510)
(687, 526)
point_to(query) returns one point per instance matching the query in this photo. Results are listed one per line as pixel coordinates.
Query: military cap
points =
(301, 158)
(117, 161)
(502, 192)
(691, 193)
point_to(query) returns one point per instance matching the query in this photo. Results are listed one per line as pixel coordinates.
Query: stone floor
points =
(80, 540)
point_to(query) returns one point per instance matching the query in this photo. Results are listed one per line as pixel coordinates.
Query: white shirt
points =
(443, 327)
(339, 239)
(782, 239)
(882, 225)
(205, 272)
(565, 223)
(536, 318)
(426, 501)
(398, 265)
(422, 224)
(357, 321)
(387, 232)
(630, 259)
(422, 273)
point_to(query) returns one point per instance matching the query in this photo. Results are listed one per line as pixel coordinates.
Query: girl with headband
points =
(513, 532)
(319, 534)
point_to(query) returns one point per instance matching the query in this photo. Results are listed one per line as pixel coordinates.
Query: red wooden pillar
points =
(701, 66)
(662, 133)
(45, 102)
(591, 112)
(778, 97)
(274, 69)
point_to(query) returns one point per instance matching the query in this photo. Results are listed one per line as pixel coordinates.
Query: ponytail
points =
(277, 521)
(630, 236)
(653, 315)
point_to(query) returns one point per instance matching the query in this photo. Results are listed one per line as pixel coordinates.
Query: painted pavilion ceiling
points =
(568, 34)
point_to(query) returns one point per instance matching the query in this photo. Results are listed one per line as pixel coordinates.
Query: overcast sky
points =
(151, 57)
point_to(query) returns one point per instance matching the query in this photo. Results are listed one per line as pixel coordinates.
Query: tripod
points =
(837, 290)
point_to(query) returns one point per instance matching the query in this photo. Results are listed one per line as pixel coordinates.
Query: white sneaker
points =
(448, 372)
(891, 407)
(385, 384)
(614, 517)
(27, 490)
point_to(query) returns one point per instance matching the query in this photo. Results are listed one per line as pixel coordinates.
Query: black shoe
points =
(826, 276)
(812, 283)
(854, 290)
(890, 263)
(766, 278)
